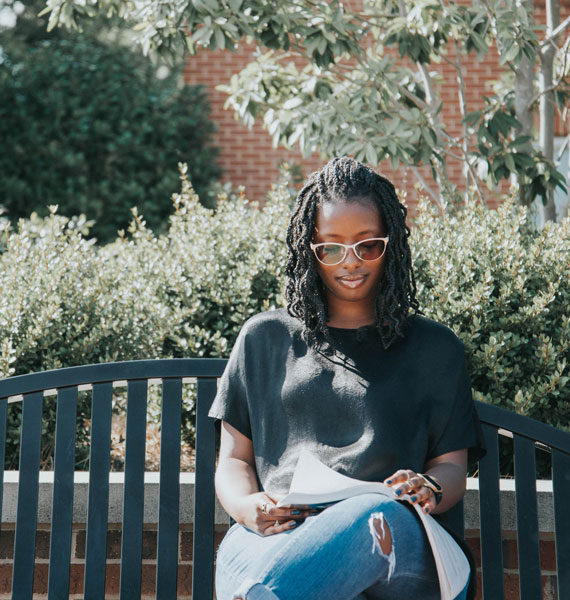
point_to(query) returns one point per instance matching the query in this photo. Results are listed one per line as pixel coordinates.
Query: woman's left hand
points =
(406, 481)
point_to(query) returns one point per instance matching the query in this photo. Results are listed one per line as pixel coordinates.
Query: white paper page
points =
(311, 476)
(452, 565)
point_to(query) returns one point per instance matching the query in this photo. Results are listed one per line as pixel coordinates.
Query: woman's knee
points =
(380, 531)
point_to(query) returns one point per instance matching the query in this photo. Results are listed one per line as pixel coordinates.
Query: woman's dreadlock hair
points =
(346, 179)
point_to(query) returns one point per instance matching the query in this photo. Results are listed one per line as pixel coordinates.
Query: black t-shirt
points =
(363, 410)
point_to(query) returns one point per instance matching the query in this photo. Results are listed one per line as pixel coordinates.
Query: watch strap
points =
(434, 486)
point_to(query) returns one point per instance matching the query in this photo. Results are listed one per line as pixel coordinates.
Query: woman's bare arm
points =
(238, 490)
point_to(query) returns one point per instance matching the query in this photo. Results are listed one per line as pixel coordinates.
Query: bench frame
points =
(173, 374)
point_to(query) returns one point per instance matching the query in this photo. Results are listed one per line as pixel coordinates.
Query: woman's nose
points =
(351, 257)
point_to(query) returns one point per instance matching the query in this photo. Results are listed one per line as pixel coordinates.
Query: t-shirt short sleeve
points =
(231, 402)
(462, 429)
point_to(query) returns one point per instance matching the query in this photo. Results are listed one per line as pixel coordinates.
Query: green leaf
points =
(293, 103)
(220, 38)
(371, 156)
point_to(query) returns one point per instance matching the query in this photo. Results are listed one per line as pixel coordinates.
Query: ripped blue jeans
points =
(339, 554)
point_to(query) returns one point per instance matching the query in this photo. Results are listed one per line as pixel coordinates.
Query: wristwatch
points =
(434, 486)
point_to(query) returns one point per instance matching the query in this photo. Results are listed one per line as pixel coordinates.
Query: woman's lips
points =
(352, 281)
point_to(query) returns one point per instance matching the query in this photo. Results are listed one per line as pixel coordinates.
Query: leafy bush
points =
(504, 288)
(89, 127)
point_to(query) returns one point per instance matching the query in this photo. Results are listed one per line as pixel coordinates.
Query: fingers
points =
(425, 497)
(284, 513)
(278, 527)
(272, 519)
(404, 481)
(408, 482)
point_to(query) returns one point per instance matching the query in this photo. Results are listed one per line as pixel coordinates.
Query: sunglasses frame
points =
(348, 247)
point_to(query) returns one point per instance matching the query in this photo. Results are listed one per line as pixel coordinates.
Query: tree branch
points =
(463, 109)
(410, 96)
(555, 33)
(428, 189)
(559, 79)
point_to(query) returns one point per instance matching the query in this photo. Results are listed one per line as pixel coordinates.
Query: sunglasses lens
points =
(330, 254)
(370, 249)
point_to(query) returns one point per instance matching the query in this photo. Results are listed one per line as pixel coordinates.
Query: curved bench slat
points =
(28, 488)
(490, 517)
(133, 502)
(561, 489)
(105, 372)
(527, 519)
(203, 567)
(169, 491)
(3, 428)
(98, 500)
(62, 504)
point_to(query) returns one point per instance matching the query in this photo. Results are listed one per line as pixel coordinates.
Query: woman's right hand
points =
(259, 513)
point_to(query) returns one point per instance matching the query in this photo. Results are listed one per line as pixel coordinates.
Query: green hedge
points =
(502, 286)
(89, 127)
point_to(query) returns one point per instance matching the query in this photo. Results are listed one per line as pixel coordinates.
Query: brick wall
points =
(510, 562)
(548, 561)
(112, 580)
(249, 158)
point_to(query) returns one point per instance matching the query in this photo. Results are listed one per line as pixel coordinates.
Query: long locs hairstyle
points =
(346, 179)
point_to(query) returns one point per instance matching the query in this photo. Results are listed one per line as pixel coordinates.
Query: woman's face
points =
(350, 286)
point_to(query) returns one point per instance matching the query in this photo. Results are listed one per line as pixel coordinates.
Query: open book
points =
(315, 484)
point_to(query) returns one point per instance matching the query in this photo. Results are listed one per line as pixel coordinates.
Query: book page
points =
(452, 565)
(315, 483)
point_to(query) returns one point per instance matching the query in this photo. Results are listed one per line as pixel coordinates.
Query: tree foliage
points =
(354, 96)
(88, 126)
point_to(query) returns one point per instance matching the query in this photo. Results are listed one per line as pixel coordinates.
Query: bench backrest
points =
(66, 383)
(528, 436)
(172, 374)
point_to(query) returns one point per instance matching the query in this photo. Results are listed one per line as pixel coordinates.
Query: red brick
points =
(80, 537)
(114, 537)
(184, 580)
(41, 578)
(42, 543)
(547, 555)
(186, 543)
(112, 579)
(76, 577)
(549, 587)
(148, 578)
(6, 544)
(510, 554)
(5, 578)
(149, 544)
(218, 537)
(474, 544)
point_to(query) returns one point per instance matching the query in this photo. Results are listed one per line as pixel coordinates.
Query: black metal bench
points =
(172, 375)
